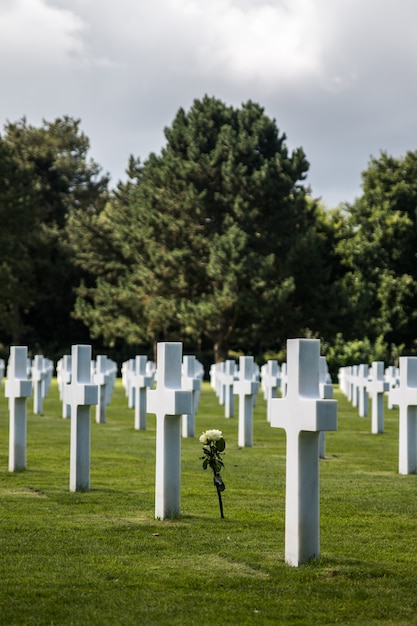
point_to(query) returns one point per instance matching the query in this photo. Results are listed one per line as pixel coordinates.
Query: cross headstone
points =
(405, 397)
(376, 388)
(190, 382)
(303, 415)
(362, 391)
(272, 381)
(391, 378)
(228, 379)
(38, 383)
(65, 379)
(140, 382)
(245, 387)
(18, 389)
(168, 402)
(81, 395)
(326, 393)
(101, 378)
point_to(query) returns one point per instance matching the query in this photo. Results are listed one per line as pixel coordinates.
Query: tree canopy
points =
(378, 251)
(215, 242)
(211, 240)
(44, 173)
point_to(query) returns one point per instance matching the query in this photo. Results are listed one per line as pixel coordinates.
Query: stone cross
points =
(65, 379)
(190, 382)
(38, 383)
(326, 393)
(246, 388)
(81, 395)
(284, 379)
(376, 388)
(130, 391)
(18, 389)
(228, 380)
(405, 397)
(272, 381)
(101, 378)
(140, 382)
(303, 415)
(168, 402)
(353, 385)
(362, 384)
(392, 378)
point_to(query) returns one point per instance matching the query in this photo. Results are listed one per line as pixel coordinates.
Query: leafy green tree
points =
(209, 240)
(379, 250)
(44, 173)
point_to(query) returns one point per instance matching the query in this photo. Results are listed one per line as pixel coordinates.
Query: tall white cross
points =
(246, 388)
(405, 397)
(362, 382)
(38, 380)
(168, 402)
(376, 388)
(228, 380)
(18, 389)
(81, 394)
(303, 414)
(101, 378)
(66, 369)
(140, 381)
(190, 382)
(272, 381)
(326, 393)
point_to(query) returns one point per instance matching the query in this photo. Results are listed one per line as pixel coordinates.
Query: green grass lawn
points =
(101, 558)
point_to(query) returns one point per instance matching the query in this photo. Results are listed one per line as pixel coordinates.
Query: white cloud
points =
(35, 35)
(338, 75)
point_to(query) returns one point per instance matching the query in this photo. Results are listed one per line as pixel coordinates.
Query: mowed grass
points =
(100, 557)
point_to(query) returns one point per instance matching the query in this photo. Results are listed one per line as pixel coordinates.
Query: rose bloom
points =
(211, 435)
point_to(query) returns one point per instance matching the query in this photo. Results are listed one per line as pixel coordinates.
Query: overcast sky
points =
(338, 76)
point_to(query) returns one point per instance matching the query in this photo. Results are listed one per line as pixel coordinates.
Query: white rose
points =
(213, 435)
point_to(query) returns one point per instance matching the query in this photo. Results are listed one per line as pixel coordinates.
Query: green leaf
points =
(220, 444)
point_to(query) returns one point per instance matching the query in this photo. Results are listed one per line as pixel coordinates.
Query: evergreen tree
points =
(44, 173)
(207, 241)
(378, 252)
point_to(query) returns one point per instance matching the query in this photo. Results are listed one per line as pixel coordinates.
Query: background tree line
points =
(216, 242)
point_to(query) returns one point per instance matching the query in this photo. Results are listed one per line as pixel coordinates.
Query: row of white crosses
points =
(139, 375)
(359, 382)
(402, 392)
(103, 372)
(301, 413)
(229, 381)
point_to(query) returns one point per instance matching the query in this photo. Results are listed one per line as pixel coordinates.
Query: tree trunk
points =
(220, 350)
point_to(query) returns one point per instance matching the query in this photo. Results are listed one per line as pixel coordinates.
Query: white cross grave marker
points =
(303, 414)
(101, 378)
(362, 383)
(272, 382)
(246, 387)
(18, 389)
(140, 381)
(190, 382)
(168, 402)
(81, 395)
(326, 393)
(228, 380)
(405, 397)
(38, 380)
(66, 369)
(376, 388)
